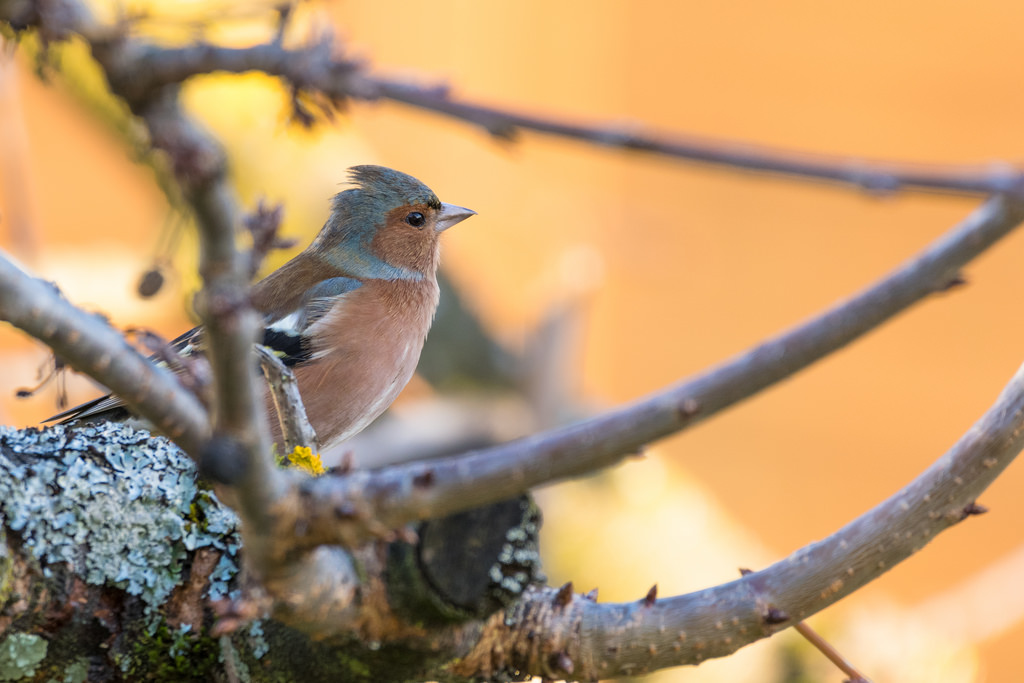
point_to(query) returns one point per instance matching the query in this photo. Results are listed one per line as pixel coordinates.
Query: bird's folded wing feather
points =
(286, 337)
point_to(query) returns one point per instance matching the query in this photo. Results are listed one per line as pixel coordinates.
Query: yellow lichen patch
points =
(305, 459)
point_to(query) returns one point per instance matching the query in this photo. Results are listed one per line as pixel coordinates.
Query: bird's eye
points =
(415, 219)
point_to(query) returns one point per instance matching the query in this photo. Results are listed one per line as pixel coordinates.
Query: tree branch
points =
(88, 343)
(554, 633)
(587, 641)
(397, 495)
(238, 452)
(314, 68)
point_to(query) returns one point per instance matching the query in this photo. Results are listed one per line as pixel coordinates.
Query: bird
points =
(350, 313)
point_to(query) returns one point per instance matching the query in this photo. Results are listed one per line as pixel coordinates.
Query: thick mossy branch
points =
(114, 551)
(110, 534)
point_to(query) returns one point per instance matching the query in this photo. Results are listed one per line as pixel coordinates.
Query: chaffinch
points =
(349, 314)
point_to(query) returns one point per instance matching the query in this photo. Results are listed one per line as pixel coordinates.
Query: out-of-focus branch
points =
(238, 452)
(396, 495)
(872, 176)
(316, 68)
(587, 640)
(88, 343)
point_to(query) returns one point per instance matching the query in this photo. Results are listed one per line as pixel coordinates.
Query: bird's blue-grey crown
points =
(361, 210)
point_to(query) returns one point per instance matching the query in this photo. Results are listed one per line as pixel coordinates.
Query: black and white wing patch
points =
(288, 336)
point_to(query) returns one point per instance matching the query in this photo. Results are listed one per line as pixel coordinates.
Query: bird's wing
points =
(111, 407)
(286, 336)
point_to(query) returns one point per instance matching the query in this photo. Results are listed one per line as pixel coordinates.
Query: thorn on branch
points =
(973, 508)
(638, 453)
(564, 596)
(688, 407)
(503, 131)
(651, 597)
(424, 479)
(774, 615)
(954, 282)
(878, 183)
(591, 595)
(154, 344)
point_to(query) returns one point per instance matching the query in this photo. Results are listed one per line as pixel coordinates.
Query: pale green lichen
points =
(121, 507)
(20, 654)
(75, 672)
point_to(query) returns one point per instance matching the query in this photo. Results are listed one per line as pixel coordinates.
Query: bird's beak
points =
(450, 215)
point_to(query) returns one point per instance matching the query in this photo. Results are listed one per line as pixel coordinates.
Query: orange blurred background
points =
(675, 266)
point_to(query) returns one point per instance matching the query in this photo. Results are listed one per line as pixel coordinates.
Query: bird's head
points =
(386, 226)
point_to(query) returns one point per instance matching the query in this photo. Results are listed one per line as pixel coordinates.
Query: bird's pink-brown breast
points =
(367, 351)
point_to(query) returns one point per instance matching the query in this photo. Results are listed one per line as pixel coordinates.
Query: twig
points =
(391, 497)
(88, 343)
(826, 648)
(295, 427)
(263, 225)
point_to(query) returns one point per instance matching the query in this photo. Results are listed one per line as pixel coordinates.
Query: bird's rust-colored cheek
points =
(401, 244)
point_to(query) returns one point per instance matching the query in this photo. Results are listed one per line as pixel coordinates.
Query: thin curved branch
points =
(314, 68)
(872, 176)
(397, 495)
(587, 640)
(88, 343)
